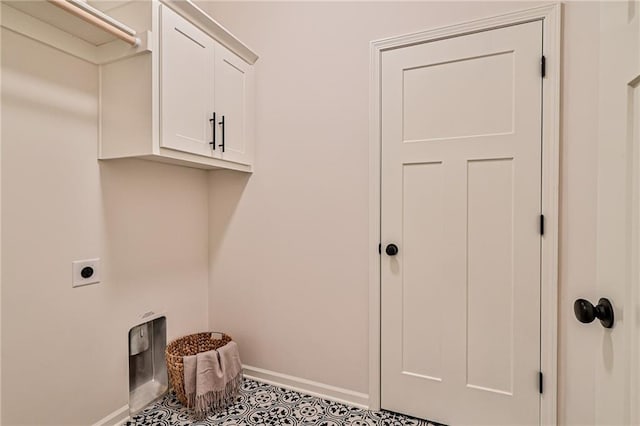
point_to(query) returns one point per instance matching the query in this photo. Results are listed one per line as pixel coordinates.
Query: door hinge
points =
(540, 380)
(543, 66)
(541, 224)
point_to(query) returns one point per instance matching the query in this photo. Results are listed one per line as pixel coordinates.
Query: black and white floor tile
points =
(261, 404)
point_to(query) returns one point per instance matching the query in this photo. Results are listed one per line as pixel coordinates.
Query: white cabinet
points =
(189, 102)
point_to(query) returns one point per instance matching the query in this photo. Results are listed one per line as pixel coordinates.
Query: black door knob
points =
(586, 312)
(391, 249)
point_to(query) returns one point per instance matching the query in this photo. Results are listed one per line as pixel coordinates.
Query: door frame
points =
(550, 15)
(634, 253)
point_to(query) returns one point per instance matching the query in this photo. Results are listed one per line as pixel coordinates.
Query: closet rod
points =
(98, 19)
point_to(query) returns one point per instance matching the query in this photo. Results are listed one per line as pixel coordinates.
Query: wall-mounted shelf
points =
(44, 22)
(175, 85)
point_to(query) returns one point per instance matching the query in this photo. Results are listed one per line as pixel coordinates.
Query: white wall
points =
(64, 350)
(289, 247)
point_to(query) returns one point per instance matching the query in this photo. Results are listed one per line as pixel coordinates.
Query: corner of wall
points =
(224, 194)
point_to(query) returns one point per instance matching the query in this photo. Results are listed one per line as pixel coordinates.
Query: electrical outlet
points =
(85, 272)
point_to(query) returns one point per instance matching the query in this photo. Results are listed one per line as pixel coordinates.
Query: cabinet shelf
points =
(44, 22)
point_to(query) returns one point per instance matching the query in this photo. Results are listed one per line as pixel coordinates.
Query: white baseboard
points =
(309, 387)
(116, 418)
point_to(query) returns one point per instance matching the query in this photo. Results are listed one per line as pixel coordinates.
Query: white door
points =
(234, 80)
(186, 86)
(461, 191)
(617, 376)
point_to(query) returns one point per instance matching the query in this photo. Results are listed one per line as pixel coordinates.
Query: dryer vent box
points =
(147, 368)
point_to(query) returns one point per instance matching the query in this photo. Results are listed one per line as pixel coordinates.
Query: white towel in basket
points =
(212, 379)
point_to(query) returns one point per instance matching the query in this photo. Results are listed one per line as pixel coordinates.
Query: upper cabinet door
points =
(234, 107)
(187, 58)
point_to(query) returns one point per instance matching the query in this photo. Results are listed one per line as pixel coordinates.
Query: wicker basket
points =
(185, 346)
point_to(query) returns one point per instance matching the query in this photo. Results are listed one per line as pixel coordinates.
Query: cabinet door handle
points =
(213, 130)
(221, 123)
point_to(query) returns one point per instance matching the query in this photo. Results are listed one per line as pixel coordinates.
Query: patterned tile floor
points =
(262, 404)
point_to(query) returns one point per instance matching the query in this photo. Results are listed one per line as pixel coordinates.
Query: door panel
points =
(461, 173)
(427, 120)
(234, 78)
(423, 197)
(186, 75)
(490, 275)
